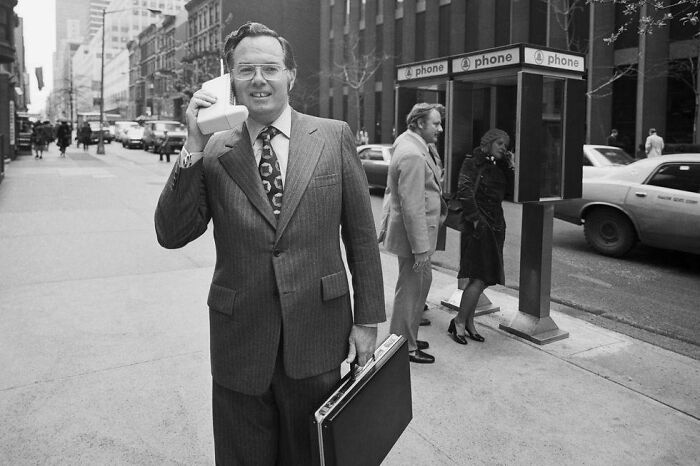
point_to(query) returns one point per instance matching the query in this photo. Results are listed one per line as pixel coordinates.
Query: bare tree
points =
(304, 95)
(195, 69)
(658, 13)
(565, 12)
(355, 71)
(603, 89)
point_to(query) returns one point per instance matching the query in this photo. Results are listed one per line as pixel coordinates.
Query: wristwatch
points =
(185, 158)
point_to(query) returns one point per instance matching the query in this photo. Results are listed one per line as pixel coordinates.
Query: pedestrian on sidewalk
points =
(485, 178)
(165, 148)
(38, 139)
(411, 220)
(278, 188)
(84, 135)
(654, 144)
(63, 135)
(613, 139)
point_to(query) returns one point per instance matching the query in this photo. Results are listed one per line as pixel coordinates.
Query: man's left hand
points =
(363, 342)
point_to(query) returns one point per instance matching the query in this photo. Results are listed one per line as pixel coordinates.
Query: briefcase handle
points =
(356, 369)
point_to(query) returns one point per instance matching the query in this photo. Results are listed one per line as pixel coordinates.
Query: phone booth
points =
(420, 82)
(537, 95)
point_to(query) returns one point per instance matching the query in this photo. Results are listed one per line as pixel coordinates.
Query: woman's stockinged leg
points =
(467, 305)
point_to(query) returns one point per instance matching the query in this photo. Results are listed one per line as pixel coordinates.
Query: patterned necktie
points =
(269, 169)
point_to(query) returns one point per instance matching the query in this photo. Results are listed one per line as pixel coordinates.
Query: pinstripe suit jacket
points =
(279, 279)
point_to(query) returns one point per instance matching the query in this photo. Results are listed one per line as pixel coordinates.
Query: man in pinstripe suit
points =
(280, 312)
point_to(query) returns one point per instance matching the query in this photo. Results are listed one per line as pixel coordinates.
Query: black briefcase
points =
(365, 416)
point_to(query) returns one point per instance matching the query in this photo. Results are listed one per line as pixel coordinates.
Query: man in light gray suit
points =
(412, 217)
(278, 189)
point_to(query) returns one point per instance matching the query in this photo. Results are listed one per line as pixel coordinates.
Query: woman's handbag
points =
(455, 217)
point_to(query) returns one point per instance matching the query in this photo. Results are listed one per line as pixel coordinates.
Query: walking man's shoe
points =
(422, 344)
(424, 321)
(420, 357)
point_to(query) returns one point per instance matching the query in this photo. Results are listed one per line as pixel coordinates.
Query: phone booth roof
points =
(499, 62)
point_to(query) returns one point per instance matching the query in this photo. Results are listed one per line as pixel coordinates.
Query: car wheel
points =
(609, 232)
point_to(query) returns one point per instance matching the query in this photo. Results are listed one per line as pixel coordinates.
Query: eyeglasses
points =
(269, 71)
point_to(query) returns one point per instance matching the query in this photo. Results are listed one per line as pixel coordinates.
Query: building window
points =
(502, 34)
(345, 107)
(444, 28)
(420, 36)
(398, 40)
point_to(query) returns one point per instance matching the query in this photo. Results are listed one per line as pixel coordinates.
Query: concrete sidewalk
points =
(104, 348)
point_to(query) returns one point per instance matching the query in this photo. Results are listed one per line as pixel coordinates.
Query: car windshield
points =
(610, 156)
(168, 126)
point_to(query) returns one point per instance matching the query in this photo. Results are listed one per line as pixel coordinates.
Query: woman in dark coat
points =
(39, 141)
(84, 134)
(485, 178)
(63, 135)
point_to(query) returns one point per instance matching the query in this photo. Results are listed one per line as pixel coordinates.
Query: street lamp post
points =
(101, 143)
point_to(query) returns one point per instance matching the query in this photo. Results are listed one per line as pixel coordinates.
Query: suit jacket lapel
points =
(239, 163)
(433, 165)
(304, 151)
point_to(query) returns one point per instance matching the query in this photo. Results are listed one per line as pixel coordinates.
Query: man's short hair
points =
(652, 130)
(420, 111)
(613, 130)
(251, 29)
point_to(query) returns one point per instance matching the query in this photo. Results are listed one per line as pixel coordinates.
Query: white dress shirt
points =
(280, 143)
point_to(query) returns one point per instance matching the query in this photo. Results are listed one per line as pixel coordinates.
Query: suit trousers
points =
(412, 289)
(273, 428)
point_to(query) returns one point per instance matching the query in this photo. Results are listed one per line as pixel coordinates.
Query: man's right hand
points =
(195, 139)
(422, 260)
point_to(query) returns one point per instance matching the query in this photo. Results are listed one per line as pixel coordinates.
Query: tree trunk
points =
(695, 120)
(358, 116)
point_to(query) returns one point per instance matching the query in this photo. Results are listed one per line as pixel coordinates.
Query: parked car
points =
(375, 160)
(120, 128)
(598, 159)
(112, 131)
(133, 137)
(154, 134)
(655, 201)
(95, 133)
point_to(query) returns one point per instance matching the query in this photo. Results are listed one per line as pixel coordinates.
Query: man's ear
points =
(292, 79)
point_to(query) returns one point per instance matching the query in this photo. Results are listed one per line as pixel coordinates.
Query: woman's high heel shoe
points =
(452, 330)
(475, 336)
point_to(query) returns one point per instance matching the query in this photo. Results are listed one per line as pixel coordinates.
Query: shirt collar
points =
(283, 123)
(421, 141)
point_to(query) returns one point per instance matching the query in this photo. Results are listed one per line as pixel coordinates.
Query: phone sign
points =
(422, 70)
(551, 59)
(483, 61)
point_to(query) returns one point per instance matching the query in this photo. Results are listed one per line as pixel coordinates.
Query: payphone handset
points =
(224, 114)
